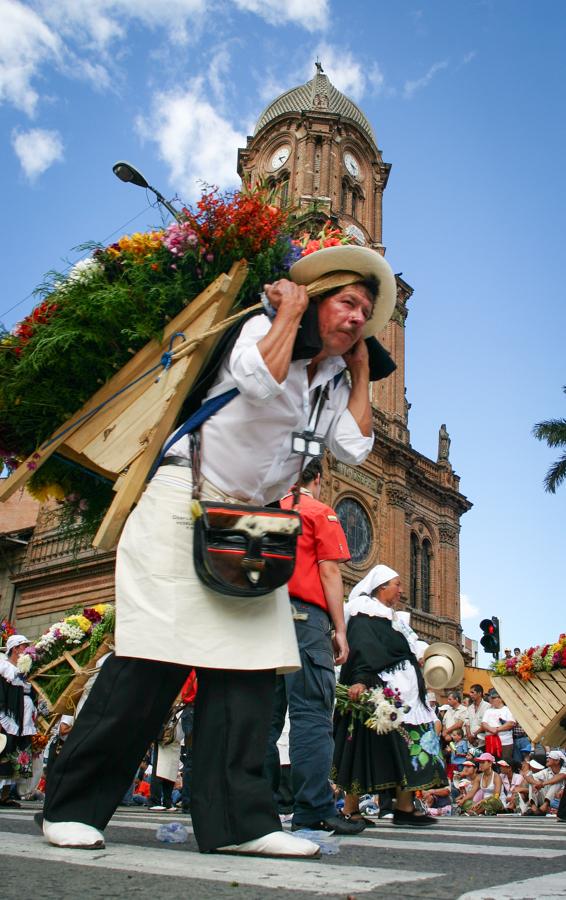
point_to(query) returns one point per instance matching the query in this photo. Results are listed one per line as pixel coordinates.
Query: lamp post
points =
(129, 174)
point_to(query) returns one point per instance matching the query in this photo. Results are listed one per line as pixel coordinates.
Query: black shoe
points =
(12, 804)
(337, 824)
(409, 819)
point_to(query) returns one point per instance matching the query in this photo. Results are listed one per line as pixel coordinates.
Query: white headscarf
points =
(360, 599)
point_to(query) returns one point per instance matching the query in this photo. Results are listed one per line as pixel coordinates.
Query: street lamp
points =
(126, 172)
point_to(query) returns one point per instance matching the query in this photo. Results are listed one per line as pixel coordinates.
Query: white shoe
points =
(73, 834)
(278, 843)
(157, 808)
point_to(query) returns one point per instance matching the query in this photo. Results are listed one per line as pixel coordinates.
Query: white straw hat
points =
(361, 261)
(443, 666)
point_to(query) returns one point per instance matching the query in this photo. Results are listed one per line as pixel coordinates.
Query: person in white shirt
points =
(475, 714)
(167, 620)
(497, 726)
(546, 784)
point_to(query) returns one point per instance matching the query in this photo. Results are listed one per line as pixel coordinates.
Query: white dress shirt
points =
(246, 446)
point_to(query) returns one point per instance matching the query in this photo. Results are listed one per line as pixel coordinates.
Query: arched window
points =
(354, 204)
(284, 193)
(344, 197)
(413, 596)
(426, 565)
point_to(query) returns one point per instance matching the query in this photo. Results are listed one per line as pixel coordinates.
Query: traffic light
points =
(490, 639)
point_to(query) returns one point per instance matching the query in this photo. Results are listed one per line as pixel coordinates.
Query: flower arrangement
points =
(328, 236)
(90, 321)
(380, 709)
(6, 629)
(84, 628)
(544, 658)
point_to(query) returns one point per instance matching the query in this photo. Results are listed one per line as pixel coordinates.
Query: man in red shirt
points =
(317, 595)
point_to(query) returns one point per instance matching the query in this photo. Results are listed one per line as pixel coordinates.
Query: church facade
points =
(318, 151)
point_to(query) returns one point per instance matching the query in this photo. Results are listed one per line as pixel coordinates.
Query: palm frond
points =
(553, 431)
(555, 475)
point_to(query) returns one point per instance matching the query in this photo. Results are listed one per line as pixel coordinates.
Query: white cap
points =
(15, 640)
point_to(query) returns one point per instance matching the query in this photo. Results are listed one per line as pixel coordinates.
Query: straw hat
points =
(443, 666)
(349, 263)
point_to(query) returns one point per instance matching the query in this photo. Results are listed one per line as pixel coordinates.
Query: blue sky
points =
(467, 103)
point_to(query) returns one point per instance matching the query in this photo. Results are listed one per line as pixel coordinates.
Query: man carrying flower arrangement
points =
(167, 620)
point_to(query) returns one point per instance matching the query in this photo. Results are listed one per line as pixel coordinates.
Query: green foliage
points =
(553, 431)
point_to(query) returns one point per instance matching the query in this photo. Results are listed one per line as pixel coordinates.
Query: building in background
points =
(318, 151)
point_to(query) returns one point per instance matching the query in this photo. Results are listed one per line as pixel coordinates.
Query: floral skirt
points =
(366, 762)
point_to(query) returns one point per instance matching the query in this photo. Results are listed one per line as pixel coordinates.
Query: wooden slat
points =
(146, 357)
(529, 703)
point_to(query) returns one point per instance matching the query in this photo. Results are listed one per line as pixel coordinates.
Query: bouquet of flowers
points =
(543, 658)
(379, 708)
(90, 321)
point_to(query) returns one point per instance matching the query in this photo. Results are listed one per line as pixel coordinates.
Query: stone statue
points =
(443, 445)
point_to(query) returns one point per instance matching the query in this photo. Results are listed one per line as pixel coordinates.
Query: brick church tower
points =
(318, 151)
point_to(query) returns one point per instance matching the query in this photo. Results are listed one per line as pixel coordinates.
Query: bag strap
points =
(194, 422)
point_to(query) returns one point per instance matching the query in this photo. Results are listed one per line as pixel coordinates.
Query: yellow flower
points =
(46, 491)
(81, 621)
(101, 608)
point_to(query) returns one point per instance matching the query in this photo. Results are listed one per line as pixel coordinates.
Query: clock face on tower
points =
(280, 156)
(352, 164)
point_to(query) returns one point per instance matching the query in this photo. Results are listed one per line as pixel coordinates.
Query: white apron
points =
(164, 612)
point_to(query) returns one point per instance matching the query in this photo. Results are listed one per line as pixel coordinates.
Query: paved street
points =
(470, 859)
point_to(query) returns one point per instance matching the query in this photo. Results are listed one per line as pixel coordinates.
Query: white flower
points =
(24, 663)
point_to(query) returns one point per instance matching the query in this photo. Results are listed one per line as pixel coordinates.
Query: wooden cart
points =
(539, 705)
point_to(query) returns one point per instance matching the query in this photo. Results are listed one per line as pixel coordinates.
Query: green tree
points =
(554, 433)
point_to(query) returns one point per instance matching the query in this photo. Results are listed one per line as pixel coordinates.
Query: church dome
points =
(316, 96)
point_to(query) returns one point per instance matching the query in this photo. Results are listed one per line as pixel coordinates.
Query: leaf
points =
(423, 758)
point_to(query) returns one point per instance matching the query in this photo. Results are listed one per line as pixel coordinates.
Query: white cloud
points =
(218, 69)
(195, 142)
(350, 75)
(345, 72)
(37, 150)
(468, 610)
(469, 57)
(313, 15)
(26, 43)
(99, 23)
(411, 87)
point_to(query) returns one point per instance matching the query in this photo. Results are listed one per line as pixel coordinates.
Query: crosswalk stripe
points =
(377, 837)
(543, 887)
(317, 877)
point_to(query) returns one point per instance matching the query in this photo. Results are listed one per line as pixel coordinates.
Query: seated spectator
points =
(484, 795)
(437, 801)
(517, 797)
(546, 783)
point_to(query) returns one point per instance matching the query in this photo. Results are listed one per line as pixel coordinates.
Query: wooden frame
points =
(121, 440)
(539, 705)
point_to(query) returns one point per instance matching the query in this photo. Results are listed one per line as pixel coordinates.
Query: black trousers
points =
(128, 703)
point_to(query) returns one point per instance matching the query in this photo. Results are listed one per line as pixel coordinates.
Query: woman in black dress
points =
(382, 653)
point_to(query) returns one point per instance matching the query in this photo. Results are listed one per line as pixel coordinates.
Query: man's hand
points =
(356, 690)
(287, 295)
(340, 647)
(357, 359)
